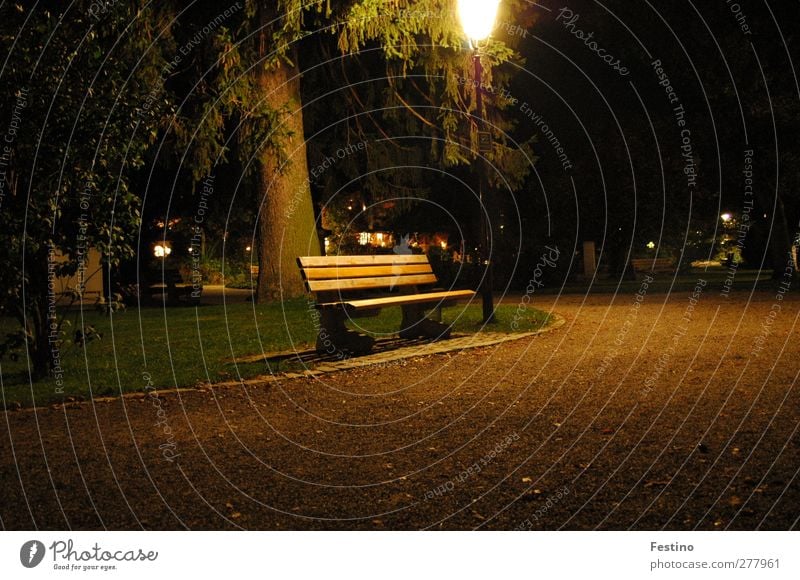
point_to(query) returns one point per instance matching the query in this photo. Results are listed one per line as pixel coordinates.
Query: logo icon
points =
(32, 553)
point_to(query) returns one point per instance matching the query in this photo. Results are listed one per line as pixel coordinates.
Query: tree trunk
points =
(34, 319)
(39, 347)
(286, 222)
(779, 243)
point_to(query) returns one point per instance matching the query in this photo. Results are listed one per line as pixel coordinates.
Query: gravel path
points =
(667, 415)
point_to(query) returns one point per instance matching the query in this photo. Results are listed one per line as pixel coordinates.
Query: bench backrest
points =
(357, 273)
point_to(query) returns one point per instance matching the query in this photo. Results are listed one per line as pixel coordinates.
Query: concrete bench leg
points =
(334, 337)
(415, 325)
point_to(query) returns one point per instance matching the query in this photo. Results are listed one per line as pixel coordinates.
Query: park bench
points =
(659, 265)
(173, 288)
(358, 286)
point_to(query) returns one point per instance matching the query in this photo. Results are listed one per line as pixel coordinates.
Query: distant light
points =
(363, 238)
(651, 245)
(443, 244)
(477, 17)
(248, 249)
(349, 208)
(726, 217)
(162, 251)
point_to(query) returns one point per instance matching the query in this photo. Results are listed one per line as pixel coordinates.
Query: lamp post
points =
(477, 21)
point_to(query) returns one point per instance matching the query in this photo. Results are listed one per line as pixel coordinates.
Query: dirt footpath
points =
(643, 411)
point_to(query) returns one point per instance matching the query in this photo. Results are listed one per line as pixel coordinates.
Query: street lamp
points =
(477, 21)
(477, 18)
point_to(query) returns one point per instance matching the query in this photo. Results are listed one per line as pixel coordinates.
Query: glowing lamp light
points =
(651, 245)
(726, 217)
(162, 251)
(477, 17)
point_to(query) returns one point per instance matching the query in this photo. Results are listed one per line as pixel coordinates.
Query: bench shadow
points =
(311, 356)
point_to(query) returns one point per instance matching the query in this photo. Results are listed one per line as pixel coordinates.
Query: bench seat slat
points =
(365, 271)
(653, 265)
(347, 284)
(401, 300)
(380, 260)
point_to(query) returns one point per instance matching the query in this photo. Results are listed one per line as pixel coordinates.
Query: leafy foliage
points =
(73, 89)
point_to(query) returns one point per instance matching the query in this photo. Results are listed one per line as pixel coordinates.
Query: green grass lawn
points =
(184, 346)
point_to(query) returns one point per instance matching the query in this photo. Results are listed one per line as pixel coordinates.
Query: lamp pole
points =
(477, 20)
(484, 142)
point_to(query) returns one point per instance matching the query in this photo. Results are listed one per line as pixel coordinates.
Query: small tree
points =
(72, 93)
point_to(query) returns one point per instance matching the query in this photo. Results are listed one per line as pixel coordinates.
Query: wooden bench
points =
(173, 288)
(357, 286)
(659, 265)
